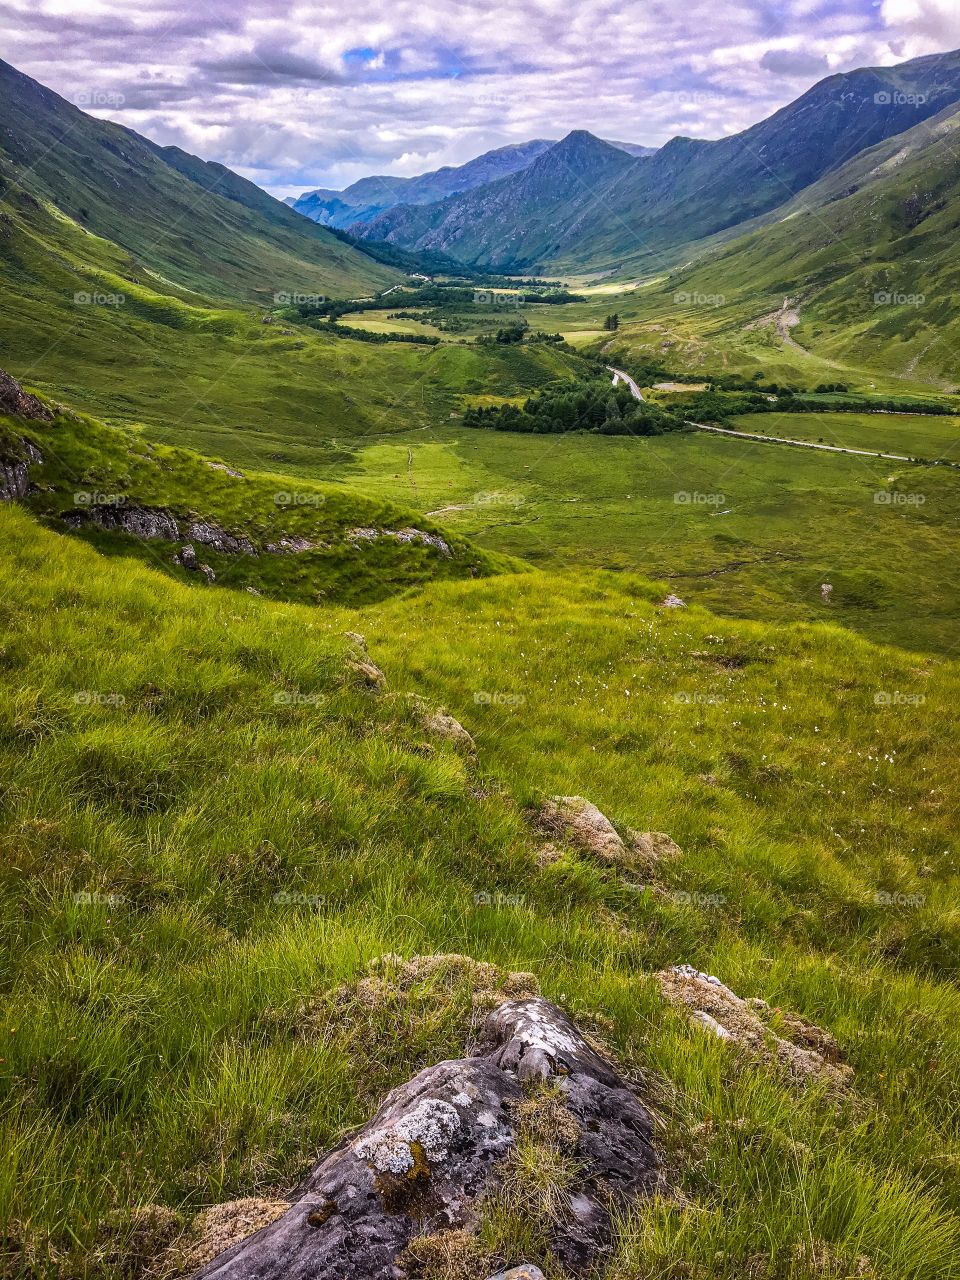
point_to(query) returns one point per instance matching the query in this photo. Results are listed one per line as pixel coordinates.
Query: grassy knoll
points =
(915, 435)
(208, 830)
(89, 470)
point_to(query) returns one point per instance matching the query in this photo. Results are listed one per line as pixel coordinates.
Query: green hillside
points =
(210, 831)
(197, 225)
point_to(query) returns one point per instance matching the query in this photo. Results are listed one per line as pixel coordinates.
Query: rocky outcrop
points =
(364, 670)
(15, 471)
(21, 404)
(146, 523)
(435, 1150)
(800, 1049)
(437, 723)
(356, 536)
(211, 535)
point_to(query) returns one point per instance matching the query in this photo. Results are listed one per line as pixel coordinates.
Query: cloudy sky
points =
(300, 93)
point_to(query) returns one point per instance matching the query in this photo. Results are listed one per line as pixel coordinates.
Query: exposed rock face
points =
(291, 546)
(672, 602)
(146, 523)
(187, 557)
(15, 472)
(401, 535)
(806, 1052)
(14, 400)
(211, 535)
(434, 1148)
(578, 820)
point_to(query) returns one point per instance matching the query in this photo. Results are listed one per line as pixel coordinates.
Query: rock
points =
(809, 1053)
(357, 639)
(146, 523)
(208, 573)
(526, 1271)
(368, 674)
(442, 725)
(222, 466)
(187, 558)
(408, 535)
(211, 535)
(672, 602)
(288, 546)
(15, 471)
(578, 820)
(652, 847)
(418, 1168)
(21, 404)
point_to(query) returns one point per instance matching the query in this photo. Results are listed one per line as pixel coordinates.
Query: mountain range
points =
(583, 203)
(365, 200)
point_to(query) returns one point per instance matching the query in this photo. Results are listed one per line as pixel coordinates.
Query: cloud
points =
(794, 62)
(308, 93)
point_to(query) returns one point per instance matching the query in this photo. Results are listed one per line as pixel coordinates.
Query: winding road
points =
(620, 376)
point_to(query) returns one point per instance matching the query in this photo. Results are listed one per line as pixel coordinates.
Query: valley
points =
(530, 585)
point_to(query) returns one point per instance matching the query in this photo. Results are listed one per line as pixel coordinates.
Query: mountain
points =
(688, 190)
(196, 224)
(368, 197)
(519, 219)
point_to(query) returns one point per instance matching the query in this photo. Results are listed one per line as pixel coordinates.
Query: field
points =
(750, 530)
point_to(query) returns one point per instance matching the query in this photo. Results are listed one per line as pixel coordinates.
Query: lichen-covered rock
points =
(652, 847)
(581, 822)
(219, 1227)
(440, 724)
(804, 1053)
(367, 674)
(526, 1271)
(14, 400)
(436, 1146)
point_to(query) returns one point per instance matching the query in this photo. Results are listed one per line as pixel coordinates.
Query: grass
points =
(195, 867)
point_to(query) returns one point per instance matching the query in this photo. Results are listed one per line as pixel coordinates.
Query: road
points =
(619, 375)
(800, 444)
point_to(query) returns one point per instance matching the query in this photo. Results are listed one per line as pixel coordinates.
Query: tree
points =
(612, 322)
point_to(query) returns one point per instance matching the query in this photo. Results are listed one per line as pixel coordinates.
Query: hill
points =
(196, 225)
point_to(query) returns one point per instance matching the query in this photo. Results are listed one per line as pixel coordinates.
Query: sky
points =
(297, 94)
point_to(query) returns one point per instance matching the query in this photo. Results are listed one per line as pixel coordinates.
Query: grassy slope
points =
(172, 1045)
(87, 464)
(239, 245)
